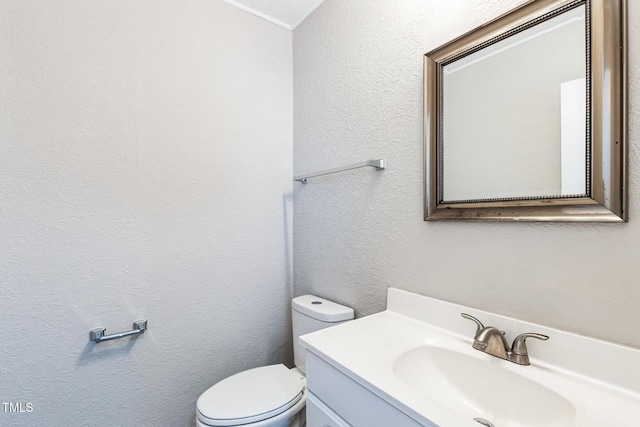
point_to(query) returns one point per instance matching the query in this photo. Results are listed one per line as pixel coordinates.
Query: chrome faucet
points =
(491, 340)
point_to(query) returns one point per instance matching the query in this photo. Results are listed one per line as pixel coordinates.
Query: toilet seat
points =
(250, 396)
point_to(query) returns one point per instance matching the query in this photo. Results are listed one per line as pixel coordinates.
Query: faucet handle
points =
(520, 354)
(520, 346)
(479, 324)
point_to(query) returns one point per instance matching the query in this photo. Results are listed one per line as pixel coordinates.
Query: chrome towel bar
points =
(378, 164)
(98, 335)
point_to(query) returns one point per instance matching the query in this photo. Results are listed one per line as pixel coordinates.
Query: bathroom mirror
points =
(525, 117)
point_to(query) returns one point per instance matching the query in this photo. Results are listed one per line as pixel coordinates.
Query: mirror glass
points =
(514, 115)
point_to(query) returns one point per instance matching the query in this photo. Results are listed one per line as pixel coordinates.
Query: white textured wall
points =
(358, 95)
(145, 171)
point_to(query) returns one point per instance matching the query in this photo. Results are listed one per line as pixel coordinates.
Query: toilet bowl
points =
(268, 396)
(274, 395)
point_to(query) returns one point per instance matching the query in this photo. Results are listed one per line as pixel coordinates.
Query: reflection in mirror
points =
(526, 116)
(503, 132)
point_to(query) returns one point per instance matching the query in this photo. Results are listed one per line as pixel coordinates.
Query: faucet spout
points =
(491, 340)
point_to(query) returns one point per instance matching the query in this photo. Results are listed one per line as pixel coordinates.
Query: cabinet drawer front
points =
(319, 414)
(352, 402)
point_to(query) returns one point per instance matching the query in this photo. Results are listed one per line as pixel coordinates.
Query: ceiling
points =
(285, 13)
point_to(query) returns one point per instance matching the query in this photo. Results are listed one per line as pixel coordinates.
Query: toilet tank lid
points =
(321, 309)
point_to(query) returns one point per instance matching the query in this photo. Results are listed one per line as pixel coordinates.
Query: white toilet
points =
(271, 396)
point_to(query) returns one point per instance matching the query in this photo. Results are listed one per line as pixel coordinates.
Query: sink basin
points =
(484, 389)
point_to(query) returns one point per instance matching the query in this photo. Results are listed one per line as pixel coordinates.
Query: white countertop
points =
(602, 390)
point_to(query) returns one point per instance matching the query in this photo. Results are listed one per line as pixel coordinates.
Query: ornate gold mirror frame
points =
(606, 44)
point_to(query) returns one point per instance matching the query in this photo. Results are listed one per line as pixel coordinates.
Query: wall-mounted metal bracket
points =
(98, 335)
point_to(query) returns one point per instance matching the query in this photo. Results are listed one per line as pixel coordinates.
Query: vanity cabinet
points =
(319, 414)
(335, 400)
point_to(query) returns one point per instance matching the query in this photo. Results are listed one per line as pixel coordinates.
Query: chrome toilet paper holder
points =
(98, 335)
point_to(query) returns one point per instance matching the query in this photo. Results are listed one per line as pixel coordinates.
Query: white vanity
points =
(413, 365)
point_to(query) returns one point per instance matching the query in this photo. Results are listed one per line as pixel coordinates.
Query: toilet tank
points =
(309, 314)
